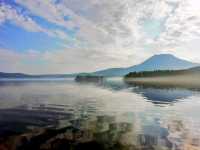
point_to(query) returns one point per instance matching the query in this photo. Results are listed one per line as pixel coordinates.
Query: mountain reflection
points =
(156, 94)
(163, 96)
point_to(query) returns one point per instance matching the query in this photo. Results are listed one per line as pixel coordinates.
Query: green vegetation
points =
(156, 73)
(162, 73)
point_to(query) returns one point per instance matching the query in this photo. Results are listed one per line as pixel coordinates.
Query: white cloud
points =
(8, 13)
(118, 22)
(60, 61)
(118, 32)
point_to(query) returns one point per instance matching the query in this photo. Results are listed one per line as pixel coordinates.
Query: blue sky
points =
(18, 39)
(65, 36)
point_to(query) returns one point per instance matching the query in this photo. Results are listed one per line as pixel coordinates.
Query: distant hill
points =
(156, 62)
(13, 75)
(21, 75)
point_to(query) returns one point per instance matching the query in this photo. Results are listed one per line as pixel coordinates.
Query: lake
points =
(64, 114)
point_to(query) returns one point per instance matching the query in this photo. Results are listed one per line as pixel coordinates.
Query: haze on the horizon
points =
(65, 36)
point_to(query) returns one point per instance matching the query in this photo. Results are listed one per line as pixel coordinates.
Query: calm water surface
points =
(63, 114)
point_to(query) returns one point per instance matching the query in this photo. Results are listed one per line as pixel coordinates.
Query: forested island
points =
(89, 78)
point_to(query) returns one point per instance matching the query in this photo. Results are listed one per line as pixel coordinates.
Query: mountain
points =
(156, 62)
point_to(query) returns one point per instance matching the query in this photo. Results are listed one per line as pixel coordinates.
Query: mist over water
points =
(113, 114)
(187, 81)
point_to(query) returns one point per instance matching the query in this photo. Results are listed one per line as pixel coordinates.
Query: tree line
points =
(154, 73)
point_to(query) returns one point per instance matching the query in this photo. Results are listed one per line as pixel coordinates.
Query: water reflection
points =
(21, 118)
(163, 96)
(94, 132)
(102, 132)
(154, 93)
(115, 115)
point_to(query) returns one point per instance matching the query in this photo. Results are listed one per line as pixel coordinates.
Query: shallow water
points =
(113, 115)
